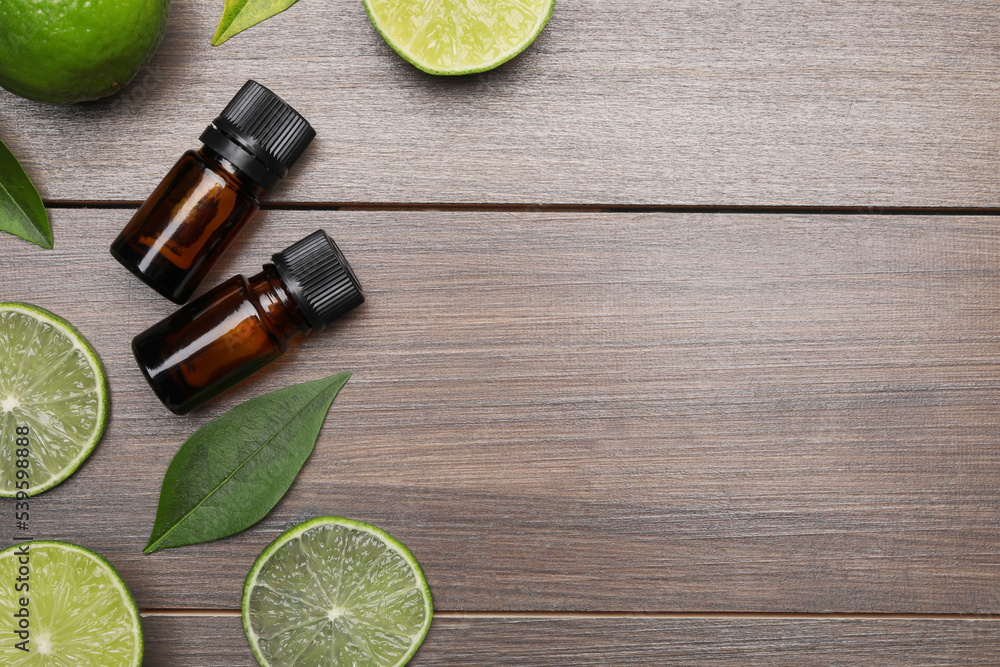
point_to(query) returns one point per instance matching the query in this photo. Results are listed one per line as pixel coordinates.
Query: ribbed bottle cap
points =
(319, 278)
(266, 127)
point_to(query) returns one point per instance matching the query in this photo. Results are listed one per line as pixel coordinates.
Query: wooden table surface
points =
(682, 336)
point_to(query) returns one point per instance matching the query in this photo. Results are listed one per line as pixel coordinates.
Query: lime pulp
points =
(53, 399)
(336, 592)
(79, 611)
(459, 36)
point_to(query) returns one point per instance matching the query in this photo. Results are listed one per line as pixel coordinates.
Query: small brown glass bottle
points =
(197, 210)
(240, 326)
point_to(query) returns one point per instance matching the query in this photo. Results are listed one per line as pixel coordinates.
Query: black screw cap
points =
(264, 126)
(319, 279)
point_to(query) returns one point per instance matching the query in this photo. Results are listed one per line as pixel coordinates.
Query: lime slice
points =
(53, 399)
(459, 36)
(334, 592)
(79, 611)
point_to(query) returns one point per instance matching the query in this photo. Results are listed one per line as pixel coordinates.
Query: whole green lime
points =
(64, 51)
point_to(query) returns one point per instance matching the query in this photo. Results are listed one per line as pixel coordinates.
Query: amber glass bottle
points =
(197, 210)
(242, 325)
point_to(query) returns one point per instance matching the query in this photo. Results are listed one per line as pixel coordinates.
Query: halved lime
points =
(53, 399)
(79, 611)
(333, 592)
(459, 36)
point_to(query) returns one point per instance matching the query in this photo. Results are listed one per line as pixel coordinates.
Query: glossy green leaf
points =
(21, 210)
(230, 473)
(239, 15)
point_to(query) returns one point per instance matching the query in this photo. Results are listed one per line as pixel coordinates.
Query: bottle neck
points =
(242, 155)
(281, 314)
(221, 165)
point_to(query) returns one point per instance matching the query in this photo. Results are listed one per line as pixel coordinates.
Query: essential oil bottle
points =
(197, 210)
(242, 325)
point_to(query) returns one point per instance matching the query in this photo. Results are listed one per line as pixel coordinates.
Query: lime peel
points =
(64, 51)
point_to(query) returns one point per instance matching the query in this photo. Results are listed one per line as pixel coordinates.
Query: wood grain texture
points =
(653, 412)
(855, 103)
(541, 642)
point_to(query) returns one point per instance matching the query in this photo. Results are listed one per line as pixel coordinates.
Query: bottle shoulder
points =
(208, 160)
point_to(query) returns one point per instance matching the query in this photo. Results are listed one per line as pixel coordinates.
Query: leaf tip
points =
(22, 211)
(220, 35)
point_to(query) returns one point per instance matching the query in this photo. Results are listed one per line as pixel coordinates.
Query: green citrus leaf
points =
(22, 212)
(239, 15)
(230, 473)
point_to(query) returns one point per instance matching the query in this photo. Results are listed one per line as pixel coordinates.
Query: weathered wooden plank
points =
(539, 642)
(613, 412)
(648, 102)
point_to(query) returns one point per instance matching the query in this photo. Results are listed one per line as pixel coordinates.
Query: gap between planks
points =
(562, 615)
(572, 208)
